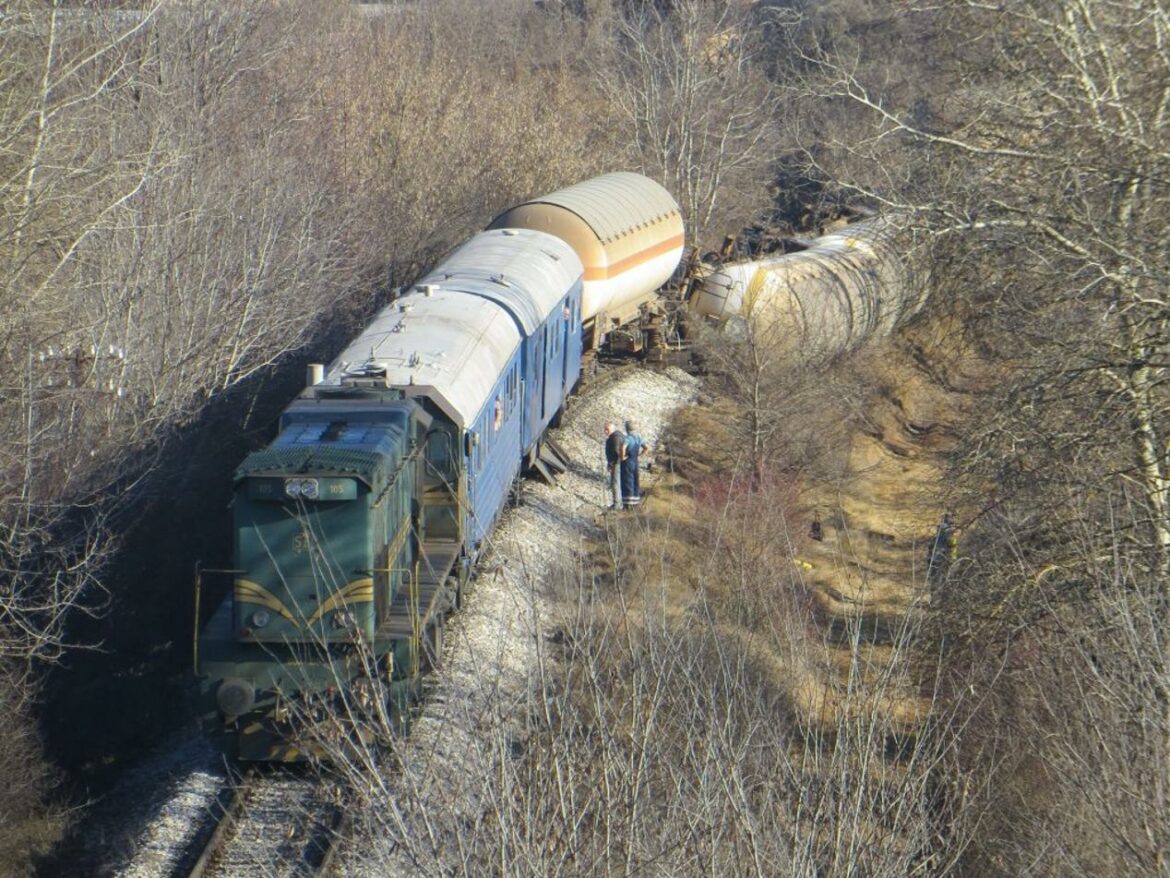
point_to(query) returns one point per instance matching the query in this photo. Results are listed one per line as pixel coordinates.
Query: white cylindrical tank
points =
(628, 232)
(824, 300)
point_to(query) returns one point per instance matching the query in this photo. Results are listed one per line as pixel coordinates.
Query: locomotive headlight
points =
(309, 489)
(260, 618)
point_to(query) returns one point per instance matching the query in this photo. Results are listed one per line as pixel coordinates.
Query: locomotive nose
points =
(235, 696)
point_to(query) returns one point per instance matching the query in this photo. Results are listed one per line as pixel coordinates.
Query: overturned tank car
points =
(822, 300)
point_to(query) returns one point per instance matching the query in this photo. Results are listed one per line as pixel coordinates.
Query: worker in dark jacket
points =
(615, 453)
(631, 486)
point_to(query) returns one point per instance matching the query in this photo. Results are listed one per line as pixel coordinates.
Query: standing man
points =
(631, 487)
(615, 453)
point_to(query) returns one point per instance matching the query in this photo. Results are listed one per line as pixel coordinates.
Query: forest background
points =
(200, 197)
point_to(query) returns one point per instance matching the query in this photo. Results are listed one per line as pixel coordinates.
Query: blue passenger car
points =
(526, 273)
(487, 342)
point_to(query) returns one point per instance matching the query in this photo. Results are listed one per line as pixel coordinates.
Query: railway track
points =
(278, 823)
(286, 822)
(198, 822)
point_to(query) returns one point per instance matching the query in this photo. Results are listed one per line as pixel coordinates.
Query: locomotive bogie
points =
(265, 694)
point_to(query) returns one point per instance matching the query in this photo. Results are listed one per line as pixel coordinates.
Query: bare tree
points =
(1063, 134)
(478, 112)
(151, 256)
(684, 83)
(1037, 177)
(667, 729)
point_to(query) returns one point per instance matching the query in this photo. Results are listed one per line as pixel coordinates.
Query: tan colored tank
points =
(628, 232)
(847, 286)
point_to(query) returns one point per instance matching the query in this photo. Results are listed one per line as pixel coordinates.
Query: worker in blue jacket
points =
(631, 486)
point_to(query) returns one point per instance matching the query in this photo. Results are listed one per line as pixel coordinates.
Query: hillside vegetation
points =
(198, 197)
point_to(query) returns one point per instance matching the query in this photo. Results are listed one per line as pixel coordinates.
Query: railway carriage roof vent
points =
(369, 369)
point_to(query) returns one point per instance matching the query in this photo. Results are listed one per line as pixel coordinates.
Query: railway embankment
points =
(618, 681)
(862, 478)
(807, 579)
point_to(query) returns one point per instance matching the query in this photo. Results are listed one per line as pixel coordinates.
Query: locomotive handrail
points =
(199, 571)
(415, 621)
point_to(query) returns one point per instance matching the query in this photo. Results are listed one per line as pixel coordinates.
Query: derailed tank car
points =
(628, 233)
(843, 288)
(357, 527)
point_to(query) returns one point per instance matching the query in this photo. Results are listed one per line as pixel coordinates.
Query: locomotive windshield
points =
(302, 568)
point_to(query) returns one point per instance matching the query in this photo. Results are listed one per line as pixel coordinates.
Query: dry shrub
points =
(649, 742)
(26, 777)
(750, 544)
(699, 441)
(1070, 726)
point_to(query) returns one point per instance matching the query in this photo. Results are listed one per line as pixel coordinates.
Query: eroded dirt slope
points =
(878, 489)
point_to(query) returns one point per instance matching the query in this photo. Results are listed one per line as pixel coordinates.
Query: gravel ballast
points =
(491, 654)
(492, 650)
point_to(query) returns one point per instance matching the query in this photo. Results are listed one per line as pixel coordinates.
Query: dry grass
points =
(24, 842)
(813, 615)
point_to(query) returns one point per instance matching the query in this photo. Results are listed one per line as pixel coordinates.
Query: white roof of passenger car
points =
(448, 346)
(528, 272)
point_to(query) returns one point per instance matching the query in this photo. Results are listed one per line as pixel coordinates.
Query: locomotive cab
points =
(327, 537)
(314, 521)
